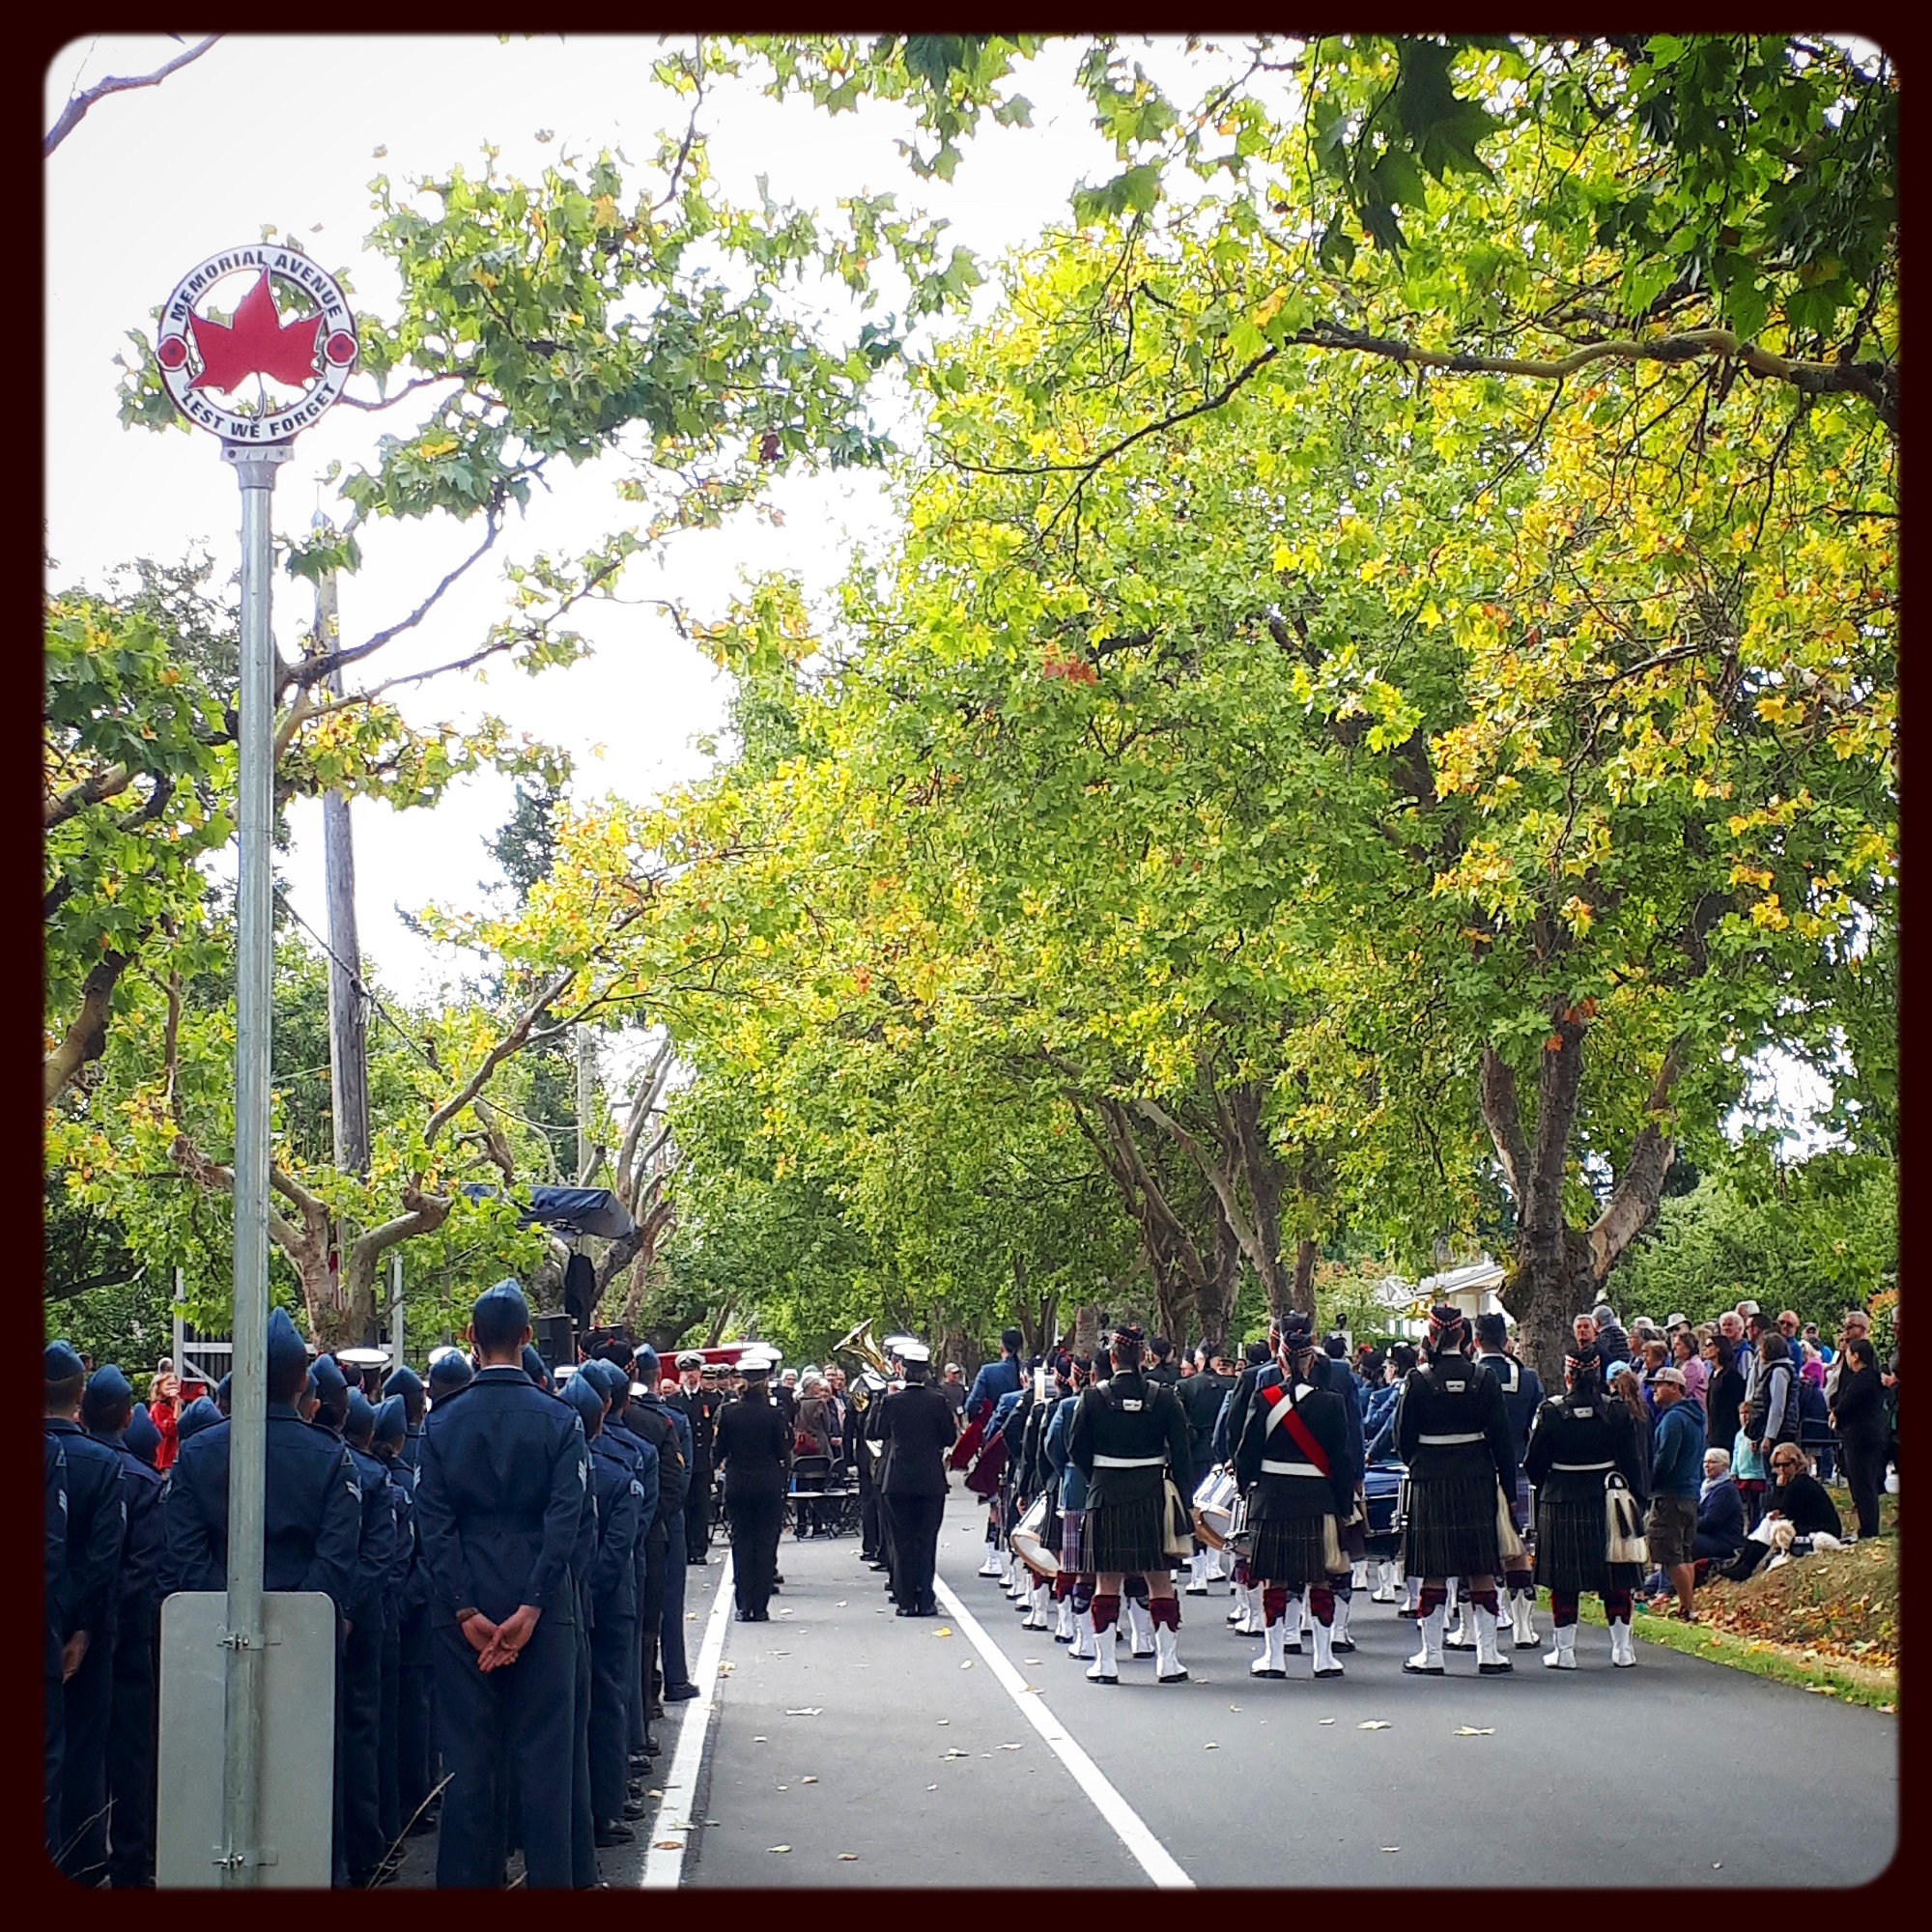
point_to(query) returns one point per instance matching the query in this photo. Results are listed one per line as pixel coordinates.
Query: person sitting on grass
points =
(1721, 1515)
(1796, 1497)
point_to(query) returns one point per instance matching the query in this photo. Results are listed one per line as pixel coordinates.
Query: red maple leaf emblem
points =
(256, 343)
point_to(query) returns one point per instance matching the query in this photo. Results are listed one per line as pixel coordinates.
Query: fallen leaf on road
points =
(806, 1711)
(1468, 1731)
(848, 1857)
(760, 1741)
(955, 1751)
(1030, 1659)
(845, 1855)
(726, 1669)
(807, 1781)
(667, 1845)
(1010, 1746)
(1233, 1707)
(654, 1794)
(932, 1787)
(1391, 1848)
(1210, 1747)
(778, 1848)
(945, 1630)
(714, 1821)
(784, 1787)
(967, 1665)
(1324, 1720)
(944, 1721)
(1374, 1724)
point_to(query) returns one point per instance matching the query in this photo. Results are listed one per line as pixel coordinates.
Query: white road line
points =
(1128, 1826)
(670, 1835)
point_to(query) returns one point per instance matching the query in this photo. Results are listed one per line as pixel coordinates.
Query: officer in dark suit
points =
(96, 1523)
(54, 1586)
(921, 1424)
(499, 1502)
(109, 1410)
(755, 1446)
(358, 1747)
(391, 1434)
(699, 1406)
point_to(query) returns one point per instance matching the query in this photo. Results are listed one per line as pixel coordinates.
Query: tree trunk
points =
(1302, 1289)
(1087, 1329)
(1215, 1303)
(86, 1037)
(1559, 1270)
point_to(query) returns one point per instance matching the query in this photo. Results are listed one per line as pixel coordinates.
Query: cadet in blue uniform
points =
(359, 1748)
(499, 1501)
(613, 1374)
(412, 1724)
(97, 1521)
(53, 1524)
(109, 1410)
(626, 1507)
(994, 1380)
(664, 1635)
(588, 1406)
(392, 1432)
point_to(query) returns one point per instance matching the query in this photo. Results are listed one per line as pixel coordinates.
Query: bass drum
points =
(1217, 1501)
(1028, 1540)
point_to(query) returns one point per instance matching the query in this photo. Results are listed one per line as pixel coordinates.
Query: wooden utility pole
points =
(347, 1021)
(586, 1091)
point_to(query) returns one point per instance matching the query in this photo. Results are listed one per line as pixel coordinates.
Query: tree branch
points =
(1640, 1182)
(1502, 1114)
(102, 785)
(86, 1038)
(511, 1044)
(76, 111)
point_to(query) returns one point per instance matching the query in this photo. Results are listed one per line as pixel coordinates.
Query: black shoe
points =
(905, 1610)
(634, 1808)
(747, 1616)
(677, 1694)
(611, 1832)
(422, 1827)
(1344, 1643)
(1503, 1669)
(640, 1763)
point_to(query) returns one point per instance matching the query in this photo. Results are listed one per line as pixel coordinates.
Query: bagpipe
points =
(981, 1457)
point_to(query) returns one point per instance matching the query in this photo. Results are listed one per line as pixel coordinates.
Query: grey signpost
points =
(307, 358)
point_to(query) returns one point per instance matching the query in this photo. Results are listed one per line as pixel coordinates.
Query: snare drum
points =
(1029, 1538)
(1216, 1499)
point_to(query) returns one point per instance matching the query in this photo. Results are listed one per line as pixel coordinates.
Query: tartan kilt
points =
(1571, 1538)
(1291, 1552)
(1071, 1521)
(1452, 1527)
(1126, 1536)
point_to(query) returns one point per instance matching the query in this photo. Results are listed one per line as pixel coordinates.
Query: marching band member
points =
(1077, 1584)
(1453, 1432)
(993, 1381)
(1523, 1398)
(1127, 1434)
(1294, 1451)
(1576, 1443)
(1246, 1616)
(1201, 1396)
(920, 1424)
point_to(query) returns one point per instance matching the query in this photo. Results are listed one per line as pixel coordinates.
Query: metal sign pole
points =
(255, 470)
(201, 357)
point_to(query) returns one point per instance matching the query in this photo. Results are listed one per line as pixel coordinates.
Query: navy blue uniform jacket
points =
(96, 1523)
(312, 1526)
(499, 1498)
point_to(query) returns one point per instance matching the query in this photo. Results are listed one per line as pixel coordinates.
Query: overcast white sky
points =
(283, 131)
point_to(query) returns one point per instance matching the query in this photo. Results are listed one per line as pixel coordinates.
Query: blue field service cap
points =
(222, 1388)
(449, 1373)
(62, 1361)
(644, 1366)
(143, 1440)
(362, 1413)
(285, 1343)
(533, 1366)
(403, 1381)
(107, 1388)
(391, 1423)
(505, 1296)
(587, 1400)
(330, 1381)
(198, 1415)
(606, 1378)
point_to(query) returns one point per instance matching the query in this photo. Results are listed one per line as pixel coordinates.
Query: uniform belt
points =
(1128, 1461)
(1449, 1441)
(1290, 1469)
(1581, 1468)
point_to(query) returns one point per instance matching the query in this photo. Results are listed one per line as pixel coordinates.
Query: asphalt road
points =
(882, 1750)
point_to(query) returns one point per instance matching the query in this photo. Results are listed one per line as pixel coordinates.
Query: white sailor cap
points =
(691, 1359)
(637, 1388)
(363, 1359)
(908, 1350)
(763, 1360)
(448, 1349)
(895, 1344)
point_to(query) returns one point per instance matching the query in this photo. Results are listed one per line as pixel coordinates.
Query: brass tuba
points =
(860, 1342)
